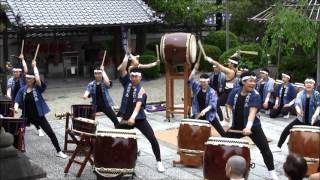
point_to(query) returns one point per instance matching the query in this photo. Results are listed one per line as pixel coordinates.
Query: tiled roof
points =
(64, 13)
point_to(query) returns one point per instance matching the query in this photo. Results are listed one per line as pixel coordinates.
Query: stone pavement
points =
(61, 94)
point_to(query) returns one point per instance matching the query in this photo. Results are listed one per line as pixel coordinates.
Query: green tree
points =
(184, 12)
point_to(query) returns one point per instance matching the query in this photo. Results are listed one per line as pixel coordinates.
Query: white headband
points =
(16, 69)
(264, 72)
(278, 81)
(310, 81)
(248, 77)
(97, 71)
(30, 76)
(233, 61)
(135, 74)
(286, 75)
(299, 85)
(204, 79)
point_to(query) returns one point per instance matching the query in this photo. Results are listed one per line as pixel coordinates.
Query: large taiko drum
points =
(305, 141)
(178, 48)
(217, 152)
(115, 152)
(192, 136)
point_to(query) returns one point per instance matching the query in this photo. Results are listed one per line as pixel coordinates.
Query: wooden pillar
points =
(140, 39)
(318, 59)
(5, 54)
(117, 46)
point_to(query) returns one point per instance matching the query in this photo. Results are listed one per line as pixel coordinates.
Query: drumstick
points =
(22, 46)
(235, 131)
(157, 49)
(35, 56)
(104, 57)
(201, 48)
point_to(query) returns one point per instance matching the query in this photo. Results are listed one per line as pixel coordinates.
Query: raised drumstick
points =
(35, 56)
(201, 48)
(22, 46)
(157, 49)
(104, 57)
(235, 131)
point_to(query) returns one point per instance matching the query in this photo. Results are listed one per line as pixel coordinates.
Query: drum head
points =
(192, 49)
(305, 128)
(227, 141)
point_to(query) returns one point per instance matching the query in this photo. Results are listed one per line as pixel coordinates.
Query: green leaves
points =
(184, 12)
(289, 29)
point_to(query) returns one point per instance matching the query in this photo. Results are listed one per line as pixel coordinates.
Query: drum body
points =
(193, 134)
(5, 105)
(217, 152)
(305, 141)
(178, 48)
(115, 152)
(84, 125)
(84, 110)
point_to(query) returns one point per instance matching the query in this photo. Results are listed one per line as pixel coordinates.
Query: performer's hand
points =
(202, 113)
(313, 119)
(21, 56)
(276, 106)
(102, 67)
(84, 97)
(227, 119)
(15, 111)
(158, 62)
(265, 105)
(131, 122)
(286, 105)
(247, 131)
(209, 59)
(34, 63)
(300, 113)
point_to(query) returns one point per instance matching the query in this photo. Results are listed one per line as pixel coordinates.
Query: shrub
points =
(251, 61)
(218, 38)
(152, 72)
(298, 66)
(211, 51)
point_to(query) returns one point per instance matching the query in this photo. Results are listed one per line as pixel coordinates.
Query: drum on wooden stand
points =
(178, 48)
(115, 153)
(305, 141)
(192, 136)
(84, 125)
(217, 152)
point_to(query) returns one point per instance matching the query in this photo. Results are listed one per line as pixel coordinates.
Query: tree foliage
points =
(184, 12)
(288, 29)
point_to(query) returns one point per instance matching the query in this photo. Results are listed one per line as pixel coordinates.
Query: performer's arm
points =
(228, 112)
(150, 65)
(122, 67)
(9, 92)
(315, 115)
(252, 115)
(290, 103)
(140, 101)
(106, 79)
(276, 104)
(86, 94)
(24, 64)
(194, 71)
(36, 73)
(229, 72)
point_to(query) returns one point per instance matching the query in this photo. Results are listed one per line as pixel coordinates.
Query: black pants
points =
(224, 97)
(219, 111)
(145, 128)
(260, 139)
(216, 124)
(286, 130)
(108, 111)
(44, 124)
(280, 110)
(30, 121)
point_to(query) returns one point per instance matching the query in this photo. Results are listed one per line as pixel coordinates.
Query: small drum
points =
(84, 125)
(305, 141)
(178, 48)
(5, 105)
(217, 152)
(84, 110)
(115, 152)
